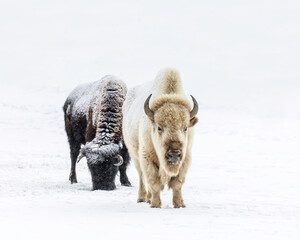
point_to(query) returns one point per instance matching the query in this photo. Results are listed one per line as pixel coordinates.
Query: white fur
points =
(139, 138)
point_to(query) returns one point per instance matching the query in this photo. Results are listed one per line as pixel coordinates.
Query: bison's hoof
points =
(124, 181)
(156, 204)
(179, 205)
(73, 178)
(105, 187)
(149, 196)
(127, 184)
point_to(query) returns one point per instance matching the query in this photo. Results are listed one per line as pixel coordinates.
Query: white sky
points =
(229, 53)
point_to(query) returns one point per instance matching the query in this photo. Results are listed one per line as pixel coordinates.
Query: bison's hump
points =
(88, 95)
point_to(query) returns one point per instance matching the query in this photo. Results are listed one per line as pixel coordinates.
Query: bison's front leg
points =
(176, 185)
(177, 182)
(155, 200)
(123, 175)
(153, 182)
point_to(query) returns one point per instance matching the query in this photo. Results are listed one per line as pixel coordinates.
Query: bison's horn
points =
(80, 157)
(120, 161)
(147, 109)
(195, 108)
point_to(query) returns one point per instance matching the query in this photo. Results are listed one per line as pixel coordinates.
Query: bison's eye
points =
(185, 129)
(160, 129)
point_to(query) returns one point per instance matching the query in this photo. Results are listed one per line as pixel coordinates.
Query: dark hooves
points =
(73, 178)
(104, 187)
(126, 184)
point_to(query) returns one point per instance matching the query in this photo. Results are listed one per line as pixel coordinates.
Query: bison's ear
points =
(193, 121)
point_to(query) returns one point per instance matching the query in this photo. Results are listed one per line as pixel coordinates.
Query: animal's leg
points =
(149, 197)
(142, 189)
(155, 196)
(75, 148)
(153, 181)
(176, 185)
(123, 176)
(177, 182)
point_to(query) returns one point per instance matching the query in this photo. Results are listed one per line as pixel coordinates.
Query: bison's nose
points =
(173, 157)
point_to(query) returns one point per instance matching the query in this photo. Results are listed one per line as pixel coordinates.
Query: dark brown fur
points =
(101, 101)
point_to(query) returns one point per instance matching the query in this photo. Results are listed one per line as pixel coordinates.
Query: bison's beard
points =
(172, 171)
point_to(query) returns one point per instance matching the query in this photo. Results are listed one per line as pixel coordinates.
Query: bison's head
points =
(171, 120)
(102, 162)
(96, 154)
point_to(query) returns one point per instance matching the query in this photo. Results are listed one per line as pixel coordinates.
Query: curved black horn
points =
(147, 109)
(195, 108)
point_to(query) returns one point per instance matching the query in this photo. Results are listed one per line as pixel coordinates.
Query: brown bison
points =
(159, 135)
(93, 116)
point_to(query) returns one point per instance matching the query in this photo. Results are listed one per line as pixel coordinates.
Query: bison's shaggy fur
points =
(160, 136)
(93, 116)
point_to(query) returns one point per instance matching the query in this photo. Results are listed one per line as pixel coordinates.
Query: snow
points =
(240, 60)
(89, 94)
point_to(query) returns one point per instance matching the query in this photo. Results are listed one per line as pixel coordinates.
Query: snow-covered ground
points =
(239, 59)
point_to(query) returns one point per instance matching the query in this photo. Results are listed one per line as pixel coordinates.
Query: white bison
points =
(159, 135)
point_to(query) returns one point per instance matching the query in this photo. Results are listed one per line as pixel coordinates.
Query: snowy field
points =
(239, 59)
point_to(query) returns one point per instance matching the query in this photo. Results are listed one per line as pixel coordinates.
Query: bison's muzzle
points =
(173, 157)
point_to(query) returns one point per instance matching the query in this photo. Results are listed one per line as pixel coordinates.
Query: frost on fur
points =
(93, 118)
(97, 153)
